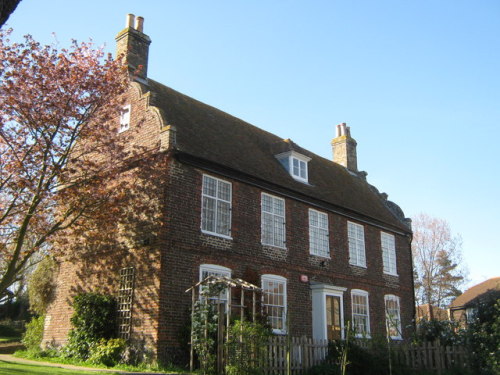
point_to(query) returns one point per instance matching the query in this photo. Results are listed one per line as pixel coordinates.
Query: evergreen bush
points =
(247, 343)
(94, 318)
(32, 338)
(107, 352)
(483, 337)
(41, 285)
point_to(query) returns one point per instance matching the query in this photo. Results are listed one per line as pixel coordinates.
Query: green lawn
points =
(8, 334)
(11, 368)
(10, 339)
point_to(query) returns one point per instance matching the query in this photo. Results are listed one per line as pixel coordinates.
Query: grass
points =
(6, 339)
(9, 334)
(11, 368)
(71, 361)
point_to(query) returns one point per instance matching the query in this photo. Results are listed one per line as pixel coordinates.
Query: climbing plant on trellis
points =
(211, 312)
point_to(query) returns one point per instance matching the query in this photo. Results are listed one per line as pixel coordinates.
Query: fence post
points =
(438, 357)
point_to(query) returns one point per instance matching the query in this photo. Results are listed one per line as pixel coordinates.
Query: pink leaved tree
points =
(59, 111)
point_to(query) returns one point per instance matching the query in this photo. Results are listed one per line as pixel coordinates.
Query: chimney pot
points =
(130, 20)
(139, 24)
(133, 45)
(344, 148)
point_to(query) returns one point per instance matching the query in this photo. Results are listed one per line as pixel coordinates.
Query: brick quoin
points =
(169, 261)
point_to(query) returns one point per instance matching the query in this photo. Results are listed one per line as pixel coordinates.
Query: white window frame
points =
(282, 280)
(216, 199)
(388, 245)
(276, 221)
(301, 172)
(302, 161)
(364, 294)
(216, 270)
(319, 235)
(470, 314)
(357, 252)
(125, 118)
(389, 320)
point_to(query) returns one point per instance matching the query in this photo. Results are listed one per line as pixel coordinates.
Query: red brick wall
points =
(170, 263)
(98, 270)
(188, 247)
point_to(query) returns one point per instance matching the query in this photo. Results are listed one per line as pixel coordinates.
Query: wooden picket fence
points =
(305, 353)
(432, 356)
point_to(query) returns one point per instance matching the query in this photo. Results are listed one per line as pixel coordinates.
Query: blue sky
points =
(418, 83)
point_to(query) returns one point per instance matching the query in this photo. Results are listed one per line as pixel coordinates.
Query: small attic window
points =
(124, 118)
(299, 169)
(295, 164)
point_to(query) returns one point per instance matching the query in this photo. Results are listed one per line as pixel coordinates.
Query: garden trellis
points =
(203, 291)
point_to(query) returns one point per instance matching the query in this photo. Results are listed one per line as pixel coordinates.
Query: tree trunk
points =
(6, 8)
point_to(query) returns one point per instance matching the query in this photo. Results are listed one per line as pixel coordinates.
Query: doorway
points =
(333, 318)
(328, 311)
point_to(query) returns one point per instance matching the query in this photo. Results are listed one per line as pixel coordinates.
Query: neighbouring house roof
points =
(423, 312)
(471, 294)
(209, 134)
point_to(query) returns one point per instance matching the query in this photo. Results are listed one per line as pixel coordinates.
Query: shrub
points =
(41, 285)
(445, 331)
(483, 337)
(324, 369)
(373, 360)
(33, 336)
(204, 323)
(7, 329)
(94, 319)
(246, 344)
(107, 352)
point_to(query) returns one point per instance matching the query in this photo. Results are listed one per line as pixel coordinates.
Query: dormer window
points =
(299, 169)
(124, 118)
(295, 164)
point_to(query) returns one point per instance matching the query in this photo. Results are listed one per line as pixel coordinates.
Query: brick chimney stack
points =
(133, 44)
(344, 148)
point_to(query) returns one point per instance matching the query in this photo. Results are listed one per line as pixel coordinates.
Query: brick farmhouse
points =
(232, 199)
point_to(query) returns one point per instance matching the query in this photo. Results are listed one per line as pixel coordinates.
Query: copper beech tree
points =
(59, 154)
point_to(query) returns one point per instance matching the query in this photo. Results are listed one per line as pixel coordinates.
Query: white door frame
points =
(319, 293)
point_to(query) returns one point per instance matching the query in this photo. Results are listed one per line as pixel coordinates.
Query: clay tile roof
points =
(477, 290)
(215, 136)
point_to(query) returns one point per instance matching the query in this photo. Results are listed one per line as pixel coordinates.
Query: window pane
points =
(223, 218)
(296, 167)
(278, 231)
(388, 253)
(273, 301)
(267, 203)
(313, 218)
(318, 233)
(278, 207)
(360, 314)
(205, 272)
(208, 214)
(224, 191)
(356, 240)
(267, 228)
(216, 206)
(393, 320)
(273, 221)
(302, 169)
(209, 186)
